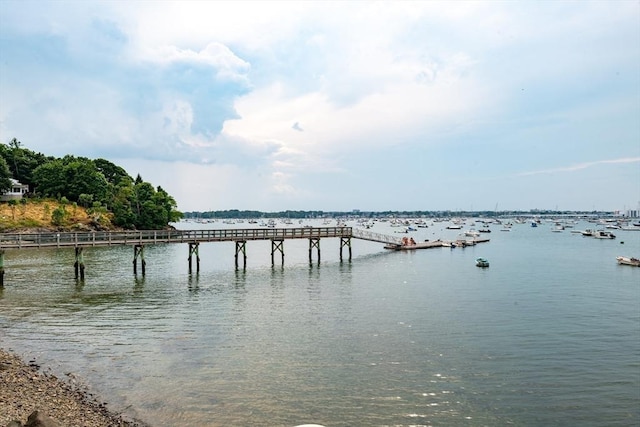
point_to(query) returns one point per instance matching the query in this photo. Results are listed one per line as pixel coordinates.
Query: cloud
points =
(469, 89)
(581, 166)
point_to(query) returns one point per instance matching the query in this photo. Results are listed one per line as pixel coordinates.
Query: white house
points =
(15, 193)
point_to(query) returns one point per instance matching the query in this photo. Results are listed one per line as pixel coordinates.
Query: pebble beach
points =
(25, 388)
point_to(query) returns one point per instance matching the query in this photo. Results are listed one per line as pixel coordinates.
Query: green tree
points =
(85, 200)
(21, 161)
(49, 179)
(59, 215)
(82, 177)
(114, 174)
(5, 176)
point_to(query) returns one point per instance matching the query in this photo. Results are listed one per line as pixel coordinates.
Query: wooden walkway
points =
(150, 237)
(139, 239)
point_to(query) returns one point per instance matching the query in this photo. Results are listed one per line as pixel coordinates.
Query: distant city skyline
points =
(377, 106)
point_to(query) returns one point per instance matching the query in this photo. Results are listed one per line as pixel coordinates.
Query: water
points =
(548, 335)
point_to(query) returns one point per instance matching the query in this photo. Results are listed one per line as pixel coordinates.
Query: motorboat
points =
(482, 262)
(624, 260)
(601, 234)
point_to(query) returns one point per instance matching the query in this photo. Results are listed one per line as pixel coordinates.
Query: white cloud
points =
(273, 95)
(581, 166)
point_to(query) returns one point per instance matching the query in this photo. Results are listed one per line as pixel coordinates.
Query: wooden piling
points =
(138, 250)
(193, 249)
(78, 265)
(277, 245)
(314, 242)
(1, 269)
(345, 241)
(241, 247)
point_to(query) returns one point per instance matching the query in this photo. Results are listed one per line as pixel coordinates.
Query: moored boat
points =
(624, 260)
(482, 262)
(600, 234)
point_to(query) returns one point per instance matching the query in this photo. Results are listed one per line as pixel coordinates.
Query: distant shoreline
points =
(24, 388)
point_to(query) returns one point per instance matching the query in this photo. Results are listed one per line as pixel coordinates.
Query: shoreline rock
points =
(25, 390)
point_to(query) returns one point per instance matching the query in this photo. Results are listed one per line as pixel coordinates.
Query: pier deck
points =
(148, 237)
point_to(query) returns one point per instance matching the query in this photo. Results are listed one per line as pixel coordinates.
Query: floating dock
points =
(434, 244)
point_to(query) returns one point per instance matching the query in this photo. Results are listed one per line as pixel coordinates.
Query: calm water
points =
(549, 335)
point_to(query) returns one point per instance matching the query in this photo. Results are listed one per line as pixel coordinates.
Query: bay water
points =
(548, 335)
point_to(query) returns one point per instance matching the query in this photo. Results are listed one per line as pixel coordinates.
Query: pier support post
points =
(345, 241)
(277, 245)
(193, 249)
(78, 265)
(138, 250)
(314, 242)
(1, 269)
(241, 247)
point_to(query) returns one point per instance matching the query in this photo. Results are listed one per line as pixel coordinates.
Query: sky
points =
(336, 106)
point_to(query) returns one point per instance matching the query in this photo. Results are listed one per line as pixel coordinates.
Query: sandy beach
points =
(24, 388)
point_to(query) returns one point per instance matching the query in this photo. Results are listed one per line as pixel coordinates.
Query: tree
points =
(21, 161)
(5, 176)
(49, 179)
(82, 177)
(114, 174)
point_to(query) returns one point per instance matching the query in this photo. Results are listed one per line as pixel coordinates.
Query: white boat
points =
(624, 260)
(600, 234)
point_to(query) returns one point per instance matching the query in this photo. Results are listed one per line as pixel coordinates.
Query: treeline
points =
(97, 185)
(248, 214)
(245, 214)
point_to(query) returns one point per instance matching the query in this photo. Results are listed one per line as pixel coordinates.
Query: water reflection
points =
(388, 339)
(193, 283)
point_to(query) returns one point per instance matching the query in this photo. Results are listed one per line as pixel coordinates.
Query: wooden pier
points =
(139, 239)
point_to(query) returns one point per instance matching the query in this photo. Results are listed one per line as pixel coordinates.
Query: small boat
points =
(600, 234)
(624, 260)
(482, 262)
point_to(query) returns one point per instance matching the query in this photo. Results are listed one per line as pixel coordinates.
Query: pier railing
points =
(145, 237)
(375, 237)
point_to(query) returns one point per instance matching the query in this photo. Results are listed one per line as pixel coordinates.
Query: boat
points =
(588, 232)
(600, 234)
(624, 260)
(485, 228)
(482, 262)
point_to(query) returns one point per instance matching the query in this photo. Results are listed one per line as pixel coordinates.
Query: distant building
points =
(16, 192)
(633, 213)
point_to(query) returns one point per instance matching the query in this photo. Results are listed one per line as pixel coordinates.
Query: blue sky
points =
(336, 105)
